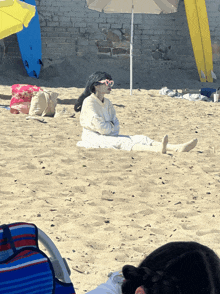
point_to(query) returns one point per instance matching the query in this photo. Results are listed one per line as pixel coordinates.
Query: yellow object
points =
(6, 2)
(13, 15)
(200, 37)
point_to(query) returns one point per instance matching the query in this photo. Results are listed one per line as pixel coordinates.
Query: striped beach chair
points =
(24, 268)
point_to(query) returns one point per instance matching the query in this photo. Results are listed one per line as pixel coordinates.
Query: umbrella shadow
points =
(66, 101)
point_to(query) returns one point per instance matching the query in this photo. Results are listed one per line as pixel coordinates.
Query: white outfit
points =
(101, 127)
(112, 286)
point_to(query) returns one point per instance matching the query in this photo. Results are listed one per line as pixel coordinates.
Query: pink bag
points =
(21, 97)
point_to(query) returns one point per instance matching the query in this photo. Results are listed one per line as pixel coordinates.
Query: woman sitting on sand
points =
(174, 268)
(101, 126)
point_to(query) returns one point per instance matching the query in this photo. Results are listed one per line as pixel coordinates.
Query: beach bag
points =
(208, 92)
(43, 103)
(24, 268)
(21, 97)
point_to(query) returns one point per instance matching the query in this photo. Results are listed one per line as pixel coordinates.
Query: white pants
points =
(112, 286)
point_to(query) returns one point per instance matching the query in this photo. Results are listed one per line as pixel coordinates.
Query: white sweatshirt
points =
(99, 116)
(101, 127)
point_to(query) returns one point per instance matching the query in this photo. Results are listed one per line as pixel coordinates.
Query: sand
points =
(106, 208)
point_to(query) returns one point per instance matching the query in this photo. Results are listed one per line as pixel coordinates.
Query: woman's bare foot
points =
(187, 146)
(164, 144)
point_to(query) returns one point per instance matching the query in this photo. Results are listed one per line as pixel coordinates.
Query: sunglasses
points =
(107, 82)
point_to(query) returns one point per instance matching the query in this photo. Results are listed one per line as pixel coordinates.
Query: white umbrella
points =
(133, 6)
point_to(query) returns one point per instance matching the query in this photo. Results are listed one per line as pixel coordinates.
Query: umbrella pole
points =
(131, 48)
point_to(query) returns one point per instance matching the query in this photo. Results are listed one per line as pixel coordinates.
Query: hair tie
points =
(140, 290)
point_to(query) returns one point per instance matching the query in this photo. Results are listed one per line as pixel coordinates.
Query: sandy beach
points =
(106, 208)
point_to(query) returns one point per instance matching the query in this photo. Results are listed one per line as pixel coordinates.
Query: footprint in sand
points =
(78, 189)
(157, 231)
(188, 227)
(28, 166)
(5, 193)
(142, 213)
(96, 246)
(183, 214)
(206, 232)
(5, 174)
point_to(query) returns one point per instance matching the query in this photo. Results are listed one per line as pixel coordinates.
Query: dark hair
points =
(175, 268)
(89, 89)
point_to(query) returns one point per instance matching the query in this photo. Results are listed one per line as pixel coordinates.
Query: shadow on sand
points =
(75, 72)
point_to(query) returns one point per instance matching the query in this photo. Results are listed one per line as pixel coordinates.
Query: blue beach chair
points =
(24, 268)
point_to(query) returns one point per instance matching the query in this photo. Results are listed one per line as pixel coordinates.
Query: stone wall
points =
(213, 8)
(70, 29)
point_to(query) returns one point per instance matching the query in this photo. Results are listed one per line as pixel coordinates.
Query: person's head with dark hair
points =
(93, 81)
(175, 268)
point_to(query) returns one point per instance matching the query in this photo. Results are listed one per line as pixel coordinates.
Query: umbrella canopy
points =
(133, 6)
(140, 6)
(6, 2)
(13, 15)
